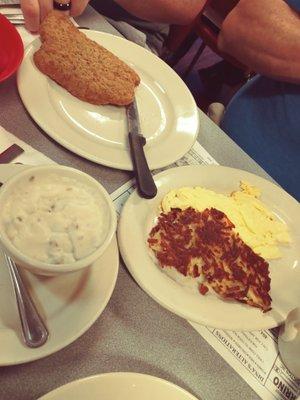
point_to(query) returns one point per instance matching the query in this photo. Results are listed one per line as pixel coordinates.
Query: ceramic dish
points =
(210, 310)
(11, 48)
(119, 386)
(22, 181)
(168, 113)
(69, 304)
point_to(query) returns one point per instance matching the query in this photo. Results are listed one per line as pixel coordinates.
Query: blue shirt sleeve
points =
(295, 4)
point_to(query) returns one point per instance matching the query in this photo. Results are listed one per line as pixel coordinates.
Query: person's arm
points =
(264, 35)
(181, 12)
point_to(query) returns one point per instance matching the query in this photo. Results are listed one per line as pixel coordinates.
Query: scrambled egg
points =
(257, 226)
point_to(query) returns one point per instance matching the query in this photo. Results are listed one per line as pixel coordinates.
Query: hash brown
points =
(204, 243)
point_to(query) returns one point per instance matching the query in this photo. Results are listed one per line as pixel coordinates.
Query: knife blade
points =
(144, 179)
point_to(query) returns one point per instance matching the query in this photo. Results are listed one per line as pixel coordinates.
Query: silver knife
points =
(137, 141)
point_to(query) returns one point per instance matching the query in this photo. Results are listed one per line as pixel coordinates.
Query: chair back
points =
(217, 10)
(208, 24)
(214, 11)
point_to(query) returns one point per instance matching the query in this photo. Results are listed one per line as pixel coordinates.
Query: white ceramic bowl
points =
(40, 267)
(120, 386)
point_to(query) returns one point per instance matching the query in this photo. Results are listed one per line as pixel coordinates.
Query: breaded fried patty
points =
(83, 67)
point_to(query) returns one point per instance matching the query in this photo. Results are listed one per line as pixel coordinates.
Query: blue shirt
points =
(294, 4)
(264, 119)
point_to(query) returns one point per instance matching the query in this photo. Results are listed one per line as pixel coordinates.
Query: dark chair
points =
(206, 26)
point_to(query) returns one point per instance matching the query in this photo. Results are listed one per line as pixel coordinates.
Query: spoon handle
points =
(34, 331)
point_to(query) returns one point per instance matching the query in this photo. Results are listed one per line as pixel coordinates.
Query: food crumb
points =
(203, 289)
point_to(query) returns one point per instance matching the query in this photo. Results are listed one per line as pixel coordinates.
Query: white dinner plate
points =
(168, 113)
(210, 310)
(69, 304)
(119, 386)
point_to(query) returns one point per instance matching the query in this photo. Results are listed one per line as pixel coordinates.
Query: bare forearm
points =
(180, 12)
(265, 35)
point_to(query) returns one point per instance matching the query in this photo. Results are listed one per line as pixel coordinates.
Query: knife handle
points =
(144, 178)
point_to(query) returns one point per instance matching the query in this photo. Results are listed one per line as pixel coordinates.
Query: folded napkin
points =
(30, 155)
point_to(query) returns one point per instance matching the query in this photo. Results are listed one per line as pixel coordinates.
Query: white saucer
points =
(119, 386)
(69, 304)
(168, 113)
(210, 310)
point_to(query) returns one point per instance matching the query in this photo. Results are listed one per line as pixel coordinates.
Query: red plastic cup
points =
(11, 48)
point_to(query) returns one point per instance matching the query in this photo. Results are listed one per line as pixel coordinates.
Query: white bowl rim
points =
(119, 375)
(68, 267)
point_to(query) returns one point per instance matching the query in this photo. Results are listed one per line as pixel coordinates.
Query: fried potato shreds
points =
(205, 243)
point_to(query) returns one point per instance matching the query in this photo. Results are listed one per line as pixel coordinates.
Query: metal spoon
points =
(34, 331)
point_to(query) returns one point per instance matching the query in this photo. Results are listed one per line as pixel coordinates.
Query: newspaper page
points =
(253, 355)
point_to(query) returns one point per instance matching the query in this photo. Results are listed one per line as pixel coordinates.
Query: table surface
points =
(134, 333)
